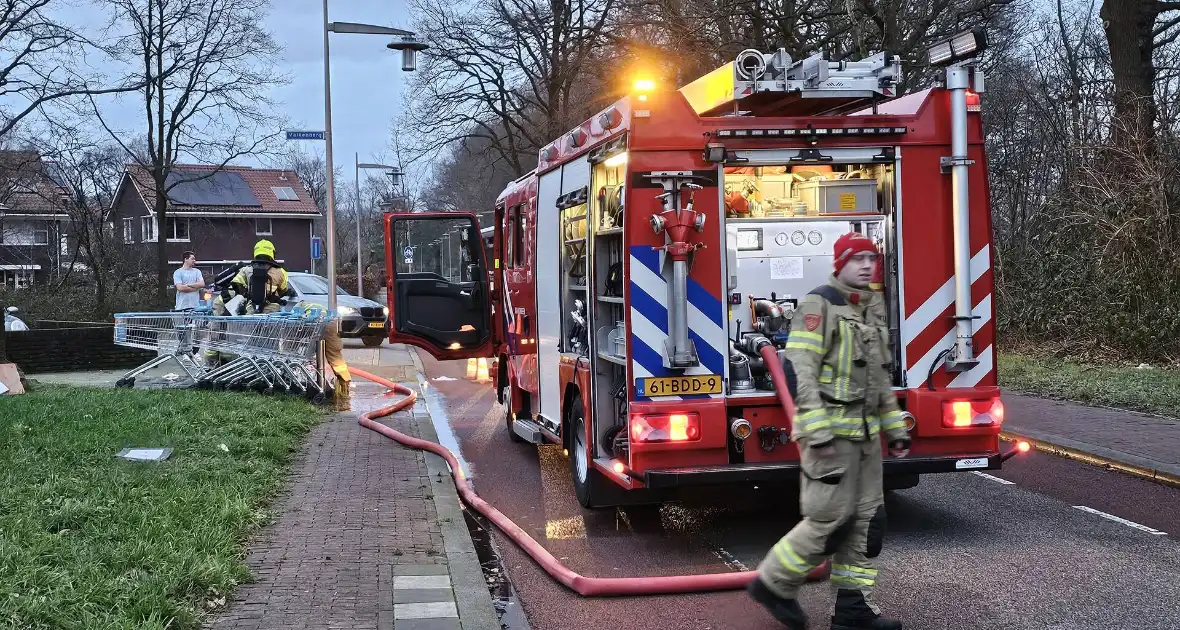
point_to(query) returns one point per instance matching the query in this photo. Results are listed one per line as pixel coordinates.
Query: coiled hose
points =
(580, 584)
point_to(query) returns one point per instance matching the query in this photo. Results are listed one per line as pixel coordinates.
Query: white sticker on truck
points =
(974, 462)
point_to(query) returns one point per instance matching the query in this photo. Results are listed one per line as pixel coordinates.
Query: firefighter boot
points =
(788, 611)
(854, 613)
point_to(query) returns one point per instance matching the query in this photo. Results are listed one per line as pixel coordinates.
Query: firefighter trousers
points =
(334, 353)
(841, 500)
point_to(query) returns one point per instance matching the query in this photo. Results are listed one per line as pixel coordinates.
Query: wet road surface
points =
(1039, 544)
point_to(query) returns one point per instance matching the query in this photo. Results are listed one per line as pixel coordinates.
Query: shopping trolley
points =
(279, 351)
(270, 352)
(169, 334)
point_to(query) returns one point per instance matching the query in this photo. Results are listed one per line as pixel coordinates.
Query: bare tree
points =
(89, 175)
(206, 67)
(312, 170)
(39, 61)
(512, 72)
(1136, 30)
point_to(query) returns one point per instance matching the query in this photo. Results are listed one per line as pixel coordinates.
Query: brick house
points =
(33, 220)
(218, 214)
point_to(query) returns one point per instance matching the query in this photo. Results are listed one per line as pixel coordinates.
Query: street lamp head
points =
(409, 45)
(395, 174)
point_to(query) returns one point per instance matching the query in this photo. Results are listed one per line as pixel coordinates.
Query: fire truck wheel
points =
(589, 485)
(506, 394)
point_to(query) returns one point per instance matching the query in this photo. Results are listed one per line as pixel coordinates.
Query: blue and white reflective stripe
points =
(649, 322)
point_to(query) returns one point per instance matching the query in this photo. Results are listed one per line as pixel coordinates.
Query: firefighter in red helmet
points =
(839, 347)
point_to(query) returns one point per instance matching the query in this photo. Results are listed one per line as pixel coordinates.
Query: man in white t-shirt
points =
(189, 281)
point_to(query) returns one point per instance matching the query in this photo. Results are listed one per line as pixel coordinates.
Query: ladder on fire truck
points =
(762, 84)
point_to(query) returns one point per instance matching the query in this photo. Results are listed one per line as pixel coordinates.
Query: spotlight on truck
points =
(955, 49)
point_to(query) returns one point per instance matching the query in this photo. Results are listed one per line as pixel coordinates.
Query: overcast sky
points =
(367, 79)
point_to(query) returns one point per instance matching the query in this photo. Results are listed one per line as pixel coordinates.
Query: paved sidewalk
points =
(369, 535)
(1149, 445)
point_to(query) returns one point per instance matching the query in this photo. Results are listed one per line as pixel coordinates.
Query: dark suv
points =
(359, 317)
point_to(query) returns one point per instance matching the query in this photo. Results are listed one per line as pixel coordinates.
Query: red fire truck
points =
(636, 270)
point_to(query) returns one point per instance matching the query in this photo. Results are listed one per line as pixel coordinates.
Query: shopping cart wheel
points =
(125, 382)
(319, 398)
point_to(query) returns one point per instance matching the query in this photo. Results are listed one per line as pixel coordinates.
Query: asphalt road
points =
(1011, 550)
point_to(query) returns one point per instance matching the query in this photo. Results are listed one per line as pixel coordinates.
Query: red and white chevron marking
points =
(930, 329)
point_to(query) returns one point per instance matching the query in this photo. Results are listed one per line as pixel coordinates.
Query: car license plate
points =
(679, 385)
(376, 324)
(974, 462)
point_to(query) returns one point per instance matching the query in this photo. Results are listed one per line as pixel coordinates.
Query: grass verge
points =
(89, 540)
(1155, 390)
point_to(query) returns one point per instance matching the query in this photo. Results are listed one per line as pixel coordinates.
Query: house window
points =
(147, 227)
(263, 227)
(128, 231)
(178, 231)
(284, 193)
(16, 278)
(24, 233)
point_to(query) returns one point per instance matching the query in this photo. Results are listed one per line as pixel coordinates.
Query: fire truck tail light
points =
(678, 427)
(959, 414)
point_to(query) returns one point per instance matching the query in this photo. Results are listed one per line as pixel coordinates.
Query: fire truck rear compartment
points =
(781, 221)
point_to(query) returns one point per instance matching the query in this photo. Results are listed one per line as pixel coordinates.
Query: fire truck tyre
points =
(900, 482)
(507, 397)
(372, 341)
(589, 484)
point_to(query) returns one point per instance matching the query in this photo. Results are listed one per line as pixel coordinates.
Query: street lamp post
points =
(394, 172)
(409, 47)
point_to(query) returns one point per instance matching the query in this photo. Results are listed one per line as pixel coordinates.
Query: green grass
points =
(1155, 390)
(89, 540)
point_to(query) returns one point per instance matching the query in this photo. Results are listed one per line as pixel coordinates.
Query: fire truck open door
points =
(438, 291)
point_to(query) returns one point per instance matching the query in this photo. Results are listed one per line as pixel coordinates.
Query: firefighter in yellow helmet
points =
(263, 286)
(258, 286)
(839, 348)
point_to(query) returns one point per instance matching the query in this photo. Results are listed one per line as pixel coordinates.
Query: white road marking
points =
(993, 478)
(1124, 521)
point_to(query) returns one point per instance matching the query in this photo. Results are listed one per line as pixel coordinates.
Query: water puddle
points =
(504, 597)
(442, 424)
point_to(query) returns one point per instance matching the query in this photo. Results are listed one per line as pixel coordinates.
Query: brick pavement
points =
(359, 542)
(1127, 437)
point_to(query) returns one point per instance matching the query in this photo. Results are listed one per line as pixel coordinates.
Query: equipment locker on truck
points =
(636, 273)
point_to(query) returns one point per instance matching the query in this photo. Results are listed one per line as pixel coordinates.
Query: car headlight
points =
(346, 310)
(386, 310)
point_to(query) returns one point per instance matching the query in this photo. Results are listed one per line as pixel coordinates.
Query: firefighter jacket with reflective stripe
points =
(839, 348)
(276, 285)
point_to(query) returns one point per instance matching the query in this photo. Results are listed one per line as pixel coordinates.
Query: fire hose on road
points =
(586, 586)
